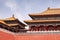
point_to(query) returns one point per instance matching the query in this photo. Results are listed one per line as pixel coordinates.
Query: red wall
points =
(6, 36)
(38, 37)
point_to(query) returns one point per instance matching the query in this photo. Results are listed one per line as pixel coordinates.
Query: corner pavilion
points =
(12, 24)
(49, 20)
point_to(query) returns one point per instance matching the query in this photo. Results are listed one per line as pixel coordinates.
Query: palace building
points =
(12, 24)
(43, 26)
(49, 20)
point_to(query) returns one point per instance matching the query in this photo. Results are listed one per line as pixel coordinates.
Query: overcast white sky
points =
(21, 8)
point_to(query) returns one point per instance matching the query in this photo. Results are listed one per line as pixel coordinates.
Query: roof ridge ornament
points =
(13, 16)
(48, 8)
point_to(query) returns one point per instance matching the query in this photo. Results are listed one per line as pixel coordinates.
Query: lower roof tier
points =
(40, 21)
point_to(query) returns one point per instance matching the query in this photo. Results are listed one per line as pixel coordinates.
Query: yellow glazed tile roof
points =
(41, 21)
(11, 18)
(49, 11)
(12, 24)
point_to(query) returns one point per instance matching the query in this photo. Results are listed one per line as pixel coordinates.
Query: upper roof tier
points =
(49, 11)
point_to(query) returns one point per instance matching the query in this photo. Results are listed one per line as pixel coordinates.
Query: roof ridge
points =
(54, 8)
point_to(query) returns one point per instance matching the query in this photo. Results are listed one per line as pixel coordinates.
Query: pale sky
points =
(21, 8)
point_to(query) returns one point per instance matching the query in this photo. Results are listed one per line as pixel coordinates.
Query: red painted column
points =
(46, 28)
(36, 28)
(39, 28)
(31, 28)
(55, 28)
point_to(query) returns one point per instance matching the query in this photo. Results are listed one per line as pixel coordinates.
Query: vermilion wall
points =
(7, 36)
(38, 37)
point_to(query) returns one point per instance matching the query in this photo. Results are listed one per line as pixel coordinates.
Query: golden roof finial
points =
(48, 8)
(13, 16)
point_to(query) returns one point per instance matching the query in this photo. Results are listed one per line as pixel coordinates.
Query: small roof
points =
(49, 11)
(10, 19)
(33, 21)
(2, 21)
